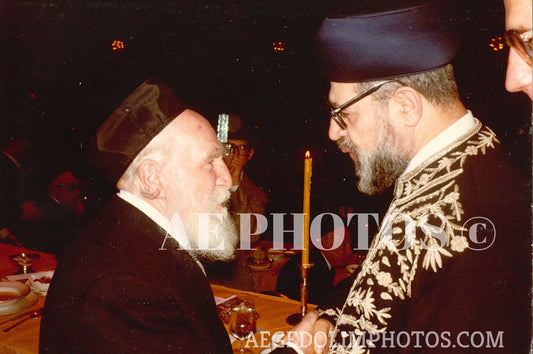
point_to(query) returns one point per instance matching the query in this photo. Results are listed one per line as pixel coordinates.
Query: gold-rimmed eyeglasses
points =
(336, 112)
(230, 148)
(521, 41)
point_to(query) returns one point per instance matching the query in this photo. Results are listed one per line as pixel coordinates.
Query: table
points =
(272, 314)
(46, 261)
(25, 338)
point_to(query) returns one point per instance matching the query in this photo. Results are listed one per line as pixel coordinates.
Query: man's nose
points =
(335, 131)
(223, 175)
(518, 74)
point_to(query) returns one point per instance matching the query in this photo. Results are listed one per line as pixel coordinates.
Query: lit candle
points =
(308, 167)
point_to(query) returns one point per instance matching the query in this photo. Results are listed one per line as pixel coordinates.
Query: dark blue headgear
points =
(385, 39)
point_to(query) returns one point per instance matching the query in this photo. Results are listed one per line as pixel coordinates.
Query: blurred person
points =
(133, 280)
(518, 22)
(65, 190)
(326, 262)
(452, 254)
(49, 223)
(12, 189)
(246, 198)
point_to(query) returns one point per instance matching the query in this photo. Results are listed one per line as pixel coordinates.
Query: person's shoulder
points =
(250, 186)
(487, 157)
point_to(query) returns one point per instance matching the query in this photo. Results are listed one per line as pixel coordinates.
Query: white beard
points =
(213, 237)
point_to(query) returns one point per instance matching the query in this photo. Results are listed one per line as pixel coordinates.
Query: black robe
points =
(116, 291)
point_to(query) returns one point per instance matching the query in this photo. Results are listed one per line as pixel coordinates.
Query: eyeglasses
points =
(230, 148)
(521, 41)
(335, 112)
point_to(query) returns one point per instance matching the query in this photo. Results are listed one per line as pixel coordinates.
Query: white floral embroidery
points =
(433, 255)
(384, 279)
(422, 229)
(459, 243)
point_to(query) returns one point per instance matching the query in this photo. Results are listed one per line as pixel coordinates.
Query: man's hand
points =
(236, 164)
(311, 335)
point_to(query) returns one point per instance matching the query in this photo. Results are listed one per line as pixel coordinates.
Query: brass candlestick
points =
(295, 318)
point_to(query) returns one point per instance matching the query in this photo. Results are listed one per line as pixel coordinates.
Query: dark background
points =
(60, 78)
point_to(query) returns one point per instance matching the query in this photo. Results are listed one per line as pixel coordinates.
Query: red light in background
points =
(496, 44)
(278, 46)
(117, 45)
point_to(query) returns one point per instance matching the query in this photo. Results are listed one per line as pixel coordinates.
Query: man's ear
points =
(252, 152)
(408, 105)
(149, 173)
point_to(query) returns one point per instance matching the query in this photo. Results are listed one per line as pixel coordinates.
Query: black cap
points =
(379, 40)
(140, 117)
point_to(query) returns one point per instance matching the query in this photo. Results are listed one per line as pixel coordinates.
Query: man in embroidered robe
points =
(132, 280)
(450, 267)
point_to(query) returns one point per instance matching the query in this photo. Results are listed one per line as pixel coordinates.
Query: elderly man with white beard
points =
(133, 280)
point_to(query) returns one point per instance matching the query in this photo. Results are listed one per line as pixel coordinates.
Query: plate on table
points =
(40, 282)
(16, 305)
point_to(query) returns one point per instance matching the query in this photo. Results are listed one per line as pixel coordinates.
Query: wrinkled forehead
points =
(193, 134)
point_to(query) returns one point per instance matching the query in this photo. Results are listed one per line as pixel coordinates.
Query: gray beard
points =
(379, 169)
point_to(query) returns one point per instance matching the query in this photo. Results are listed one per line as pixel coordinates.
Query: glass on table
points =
(24, 261)
(242, 323)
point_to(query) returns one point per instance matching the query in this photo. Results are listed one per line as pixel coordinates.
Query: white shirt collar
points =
(147, 209)
(327, 262)
(450, 134)
(160, 220)
(236, 186)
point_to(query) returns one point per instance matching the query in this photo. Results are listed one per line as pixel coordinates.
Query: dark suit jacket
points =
(320, 278)
(52, 233)
(248, 198)
(115, 291)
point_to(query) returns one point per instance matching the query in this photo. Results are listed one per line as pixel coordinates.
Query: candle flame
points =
(307, 154)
